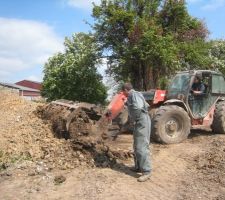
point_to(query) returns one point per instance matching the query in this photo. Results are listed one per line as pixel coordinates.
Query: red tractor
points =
(175, 111)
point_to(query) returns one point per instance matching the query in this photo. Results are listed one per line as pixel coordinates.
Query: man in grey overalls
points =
(138, 112)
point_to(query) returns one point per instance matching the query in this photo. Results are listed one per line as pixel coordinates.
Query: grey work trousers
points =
(141, 134)
(197, 106)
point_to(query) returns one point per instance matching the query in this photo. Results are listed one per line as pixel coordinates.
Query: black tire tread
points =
(157, 118)
(218, 125)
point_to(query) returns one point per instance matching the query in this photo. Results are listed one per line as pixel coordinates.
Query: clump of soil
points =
(59, 179)
(70, 122)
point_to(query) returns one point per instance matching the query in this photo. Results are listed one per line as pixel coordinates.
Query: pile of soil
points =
(86, 130)
(26, 137)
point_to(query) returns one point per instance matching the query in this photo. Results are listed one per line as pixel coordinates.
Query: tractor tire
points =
(218, 125)
(171, 124)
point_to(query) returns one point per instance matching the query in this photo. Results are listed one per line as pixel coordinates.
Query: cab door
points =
(200, 105)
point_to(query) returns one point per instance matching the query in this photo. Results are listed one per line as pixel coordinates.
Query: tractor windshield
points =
(179, 85)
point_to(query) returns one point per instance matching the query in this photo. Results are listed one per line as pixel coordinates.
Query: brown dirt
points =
(24, 136)
(84, 128)
(207, 171)
(27, 137)
(193, 169)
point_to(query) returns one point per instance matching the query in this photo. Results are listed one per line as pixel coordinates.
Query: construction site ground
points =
(36, 165)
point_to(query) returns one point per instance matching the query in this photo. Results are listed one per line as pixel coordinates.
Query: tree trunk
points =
(137, 77)
(145, 77)
(149, 78)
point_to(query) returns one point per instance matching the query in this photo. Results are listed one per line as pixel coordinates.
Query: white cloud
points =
(83, 4)
(214, 5)
(25, 44)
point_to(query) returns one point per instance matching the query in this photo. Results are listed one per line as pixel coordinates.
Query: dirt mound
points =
(25, 136)
(79, 125)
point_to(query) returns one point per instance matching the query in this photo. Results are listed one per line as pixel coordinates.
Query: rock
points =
(40, 170)
(81, 156)
(18, 118)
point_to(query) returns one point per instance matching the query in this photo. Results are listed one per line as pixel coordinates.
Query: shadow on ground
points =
(200, 132)
(124, 169)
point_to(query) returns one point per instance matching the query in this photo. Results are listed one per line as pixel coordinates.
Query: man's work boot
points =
(144, 177)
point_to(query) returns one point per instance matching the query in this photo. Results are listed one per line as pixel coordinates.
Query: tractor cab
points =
(197, 104)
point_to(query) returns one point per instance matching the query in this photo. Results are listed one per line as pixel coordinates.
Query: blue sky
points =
(31, 31)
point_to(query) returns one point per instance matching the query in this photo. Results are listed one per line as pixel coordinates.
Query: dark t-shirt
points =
(198, 87)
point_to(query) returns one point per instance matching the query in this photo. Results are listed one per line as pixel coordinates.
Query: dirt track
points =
(194, 169)
(176, 175)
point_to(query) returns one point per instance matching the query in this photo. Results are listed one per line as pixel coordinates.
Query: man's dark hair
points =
(198, 77)
(127, 86)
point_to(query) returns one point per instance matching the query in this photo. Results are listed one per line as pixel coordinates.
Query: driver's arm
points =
(201, 91)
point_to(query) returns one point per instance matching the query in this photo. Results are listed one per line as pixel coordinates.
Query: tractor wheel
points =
(218, 125)
(171, 124)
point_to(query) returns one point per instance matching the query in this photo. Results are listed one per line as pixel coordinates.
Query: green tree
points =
(73, 74)
(189, 34)
(148, 40)
(217, 55)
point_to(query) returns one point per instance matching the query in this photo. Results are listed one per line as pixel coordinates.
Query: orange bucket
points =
(117, 104)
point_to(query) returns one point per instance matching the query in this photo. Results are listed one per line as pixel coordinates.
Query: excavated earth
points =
(51, 152)
(85, 129)
(38, 133)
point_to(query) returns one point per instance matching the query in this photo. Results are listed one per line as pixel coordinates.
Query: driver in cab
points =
(198, 89)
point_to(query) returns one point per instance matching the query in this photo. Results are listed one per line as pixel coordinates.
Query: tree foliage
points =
(73, 74)
(147, 40)
(217, 55)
